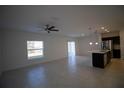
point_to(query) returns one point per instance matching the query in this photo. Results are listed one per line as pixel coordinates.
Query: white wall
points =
(122, 43)
(84, 46)
(15, 48)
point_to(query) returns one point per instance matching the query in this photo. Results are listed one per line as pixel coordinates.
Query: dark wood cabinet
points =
(101, 59)
(116, 53)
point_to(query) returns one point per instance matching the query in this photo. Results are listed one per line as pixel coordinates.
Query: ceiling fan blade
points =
(54, 30)
(50, 28)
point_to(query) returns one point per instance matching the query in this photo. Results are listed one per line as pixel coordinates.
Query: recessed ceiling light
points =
(102, 28)
(96, 43)
(106, 30)
(82, 34)
(90, 43)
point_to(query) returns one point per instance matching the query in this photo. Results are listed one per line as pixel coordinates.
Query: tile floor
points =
(73, 72)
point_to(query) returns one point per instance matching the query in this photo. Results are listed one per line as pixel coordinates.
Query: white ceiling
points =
(71, 20)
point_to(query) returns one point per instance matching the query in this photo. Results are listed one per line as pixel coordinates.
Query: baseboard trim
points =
(28, 65)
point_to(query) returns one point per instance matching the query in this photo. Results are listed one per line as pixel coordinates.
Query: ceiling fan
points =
(50, 28)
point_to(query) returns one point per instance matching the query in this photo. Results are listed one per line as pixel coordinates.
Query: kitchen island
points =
(100, 58)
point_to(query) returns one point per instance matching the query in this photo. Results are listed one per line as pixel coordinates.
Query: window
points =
(34, 49)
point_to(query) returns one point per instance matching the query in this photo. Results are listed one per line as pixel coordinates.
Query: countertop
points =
(99, 51)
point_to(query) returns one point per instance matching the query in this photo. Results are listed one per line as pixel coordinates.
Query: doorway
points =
(71, 48)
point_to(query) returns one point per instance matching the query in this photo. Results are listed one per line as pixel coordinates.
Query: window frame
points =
(38, 56)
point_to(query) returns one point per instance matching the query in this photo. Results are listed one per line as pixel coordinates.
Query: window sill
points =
(35, 57)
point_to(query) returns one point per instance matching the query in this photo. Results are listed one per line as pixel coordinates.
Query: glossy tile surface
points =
(65, 73)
